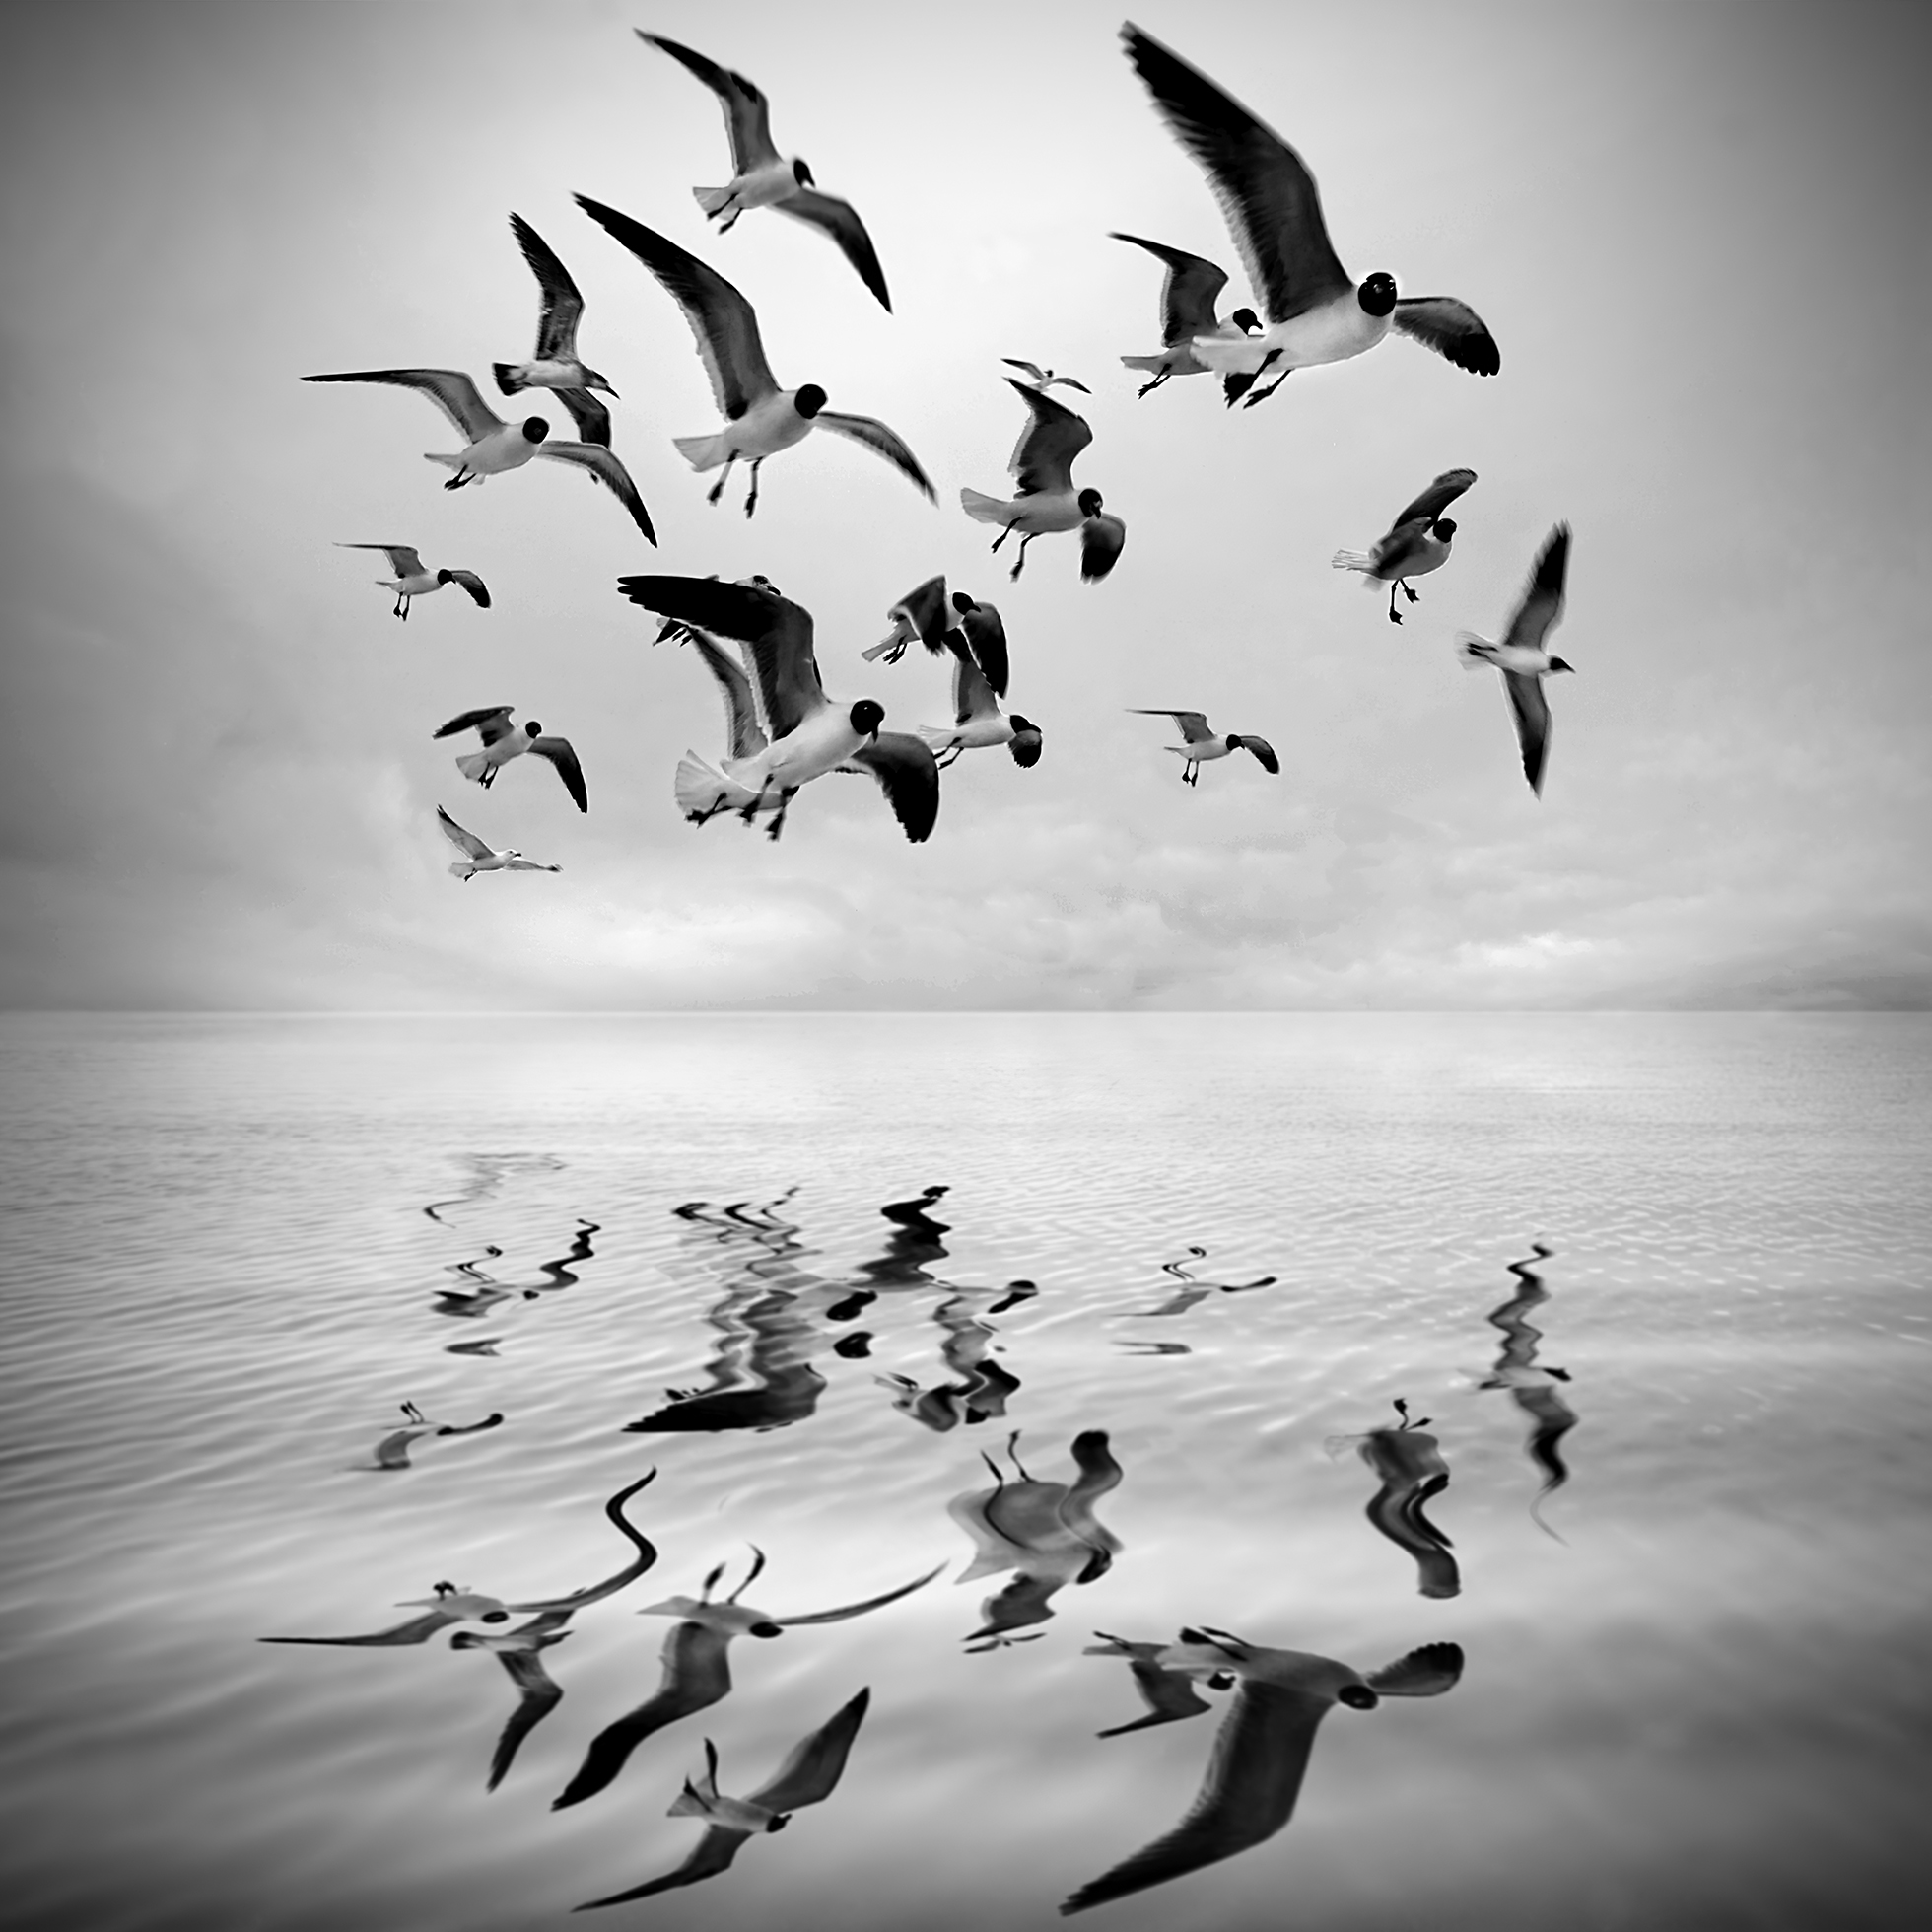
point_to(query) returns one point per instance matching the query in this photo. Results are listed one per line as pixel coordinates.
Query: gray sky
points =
(1696, 232)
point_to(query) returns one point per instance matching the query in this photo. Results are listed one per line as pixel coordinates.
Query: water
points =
(1700, 1700)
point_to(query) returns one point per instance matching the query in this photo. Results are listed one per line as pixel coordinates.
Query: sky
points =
(1695, 230)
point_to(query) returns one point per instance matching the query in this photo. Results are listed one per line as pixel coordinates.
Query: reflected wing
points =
(986, 633)
(450, 389)
(1451, 328)
(471, 847)
(609, 471)
(591, 418)
(474, 585)
(403, 557)
(840, 220)
(646, 1556)
(1042, 457)
(740, 708)
(1102, 539)
(1436, 498)
(778, 632)
(1169, 1695)
(560, 754)
(721, 318)
(814, 1766)
(419, 1630)
(1541, 602)
(715, 1851)
(909, 776)
(538, 1694)
(972, 696)
(1193, 725)
(1188, 294)
(1267, 194)
(1530, 711)
(493, 721)
(748, 114)
(1425, 1673)
(905, 1589)
(1247, 1796)
(883, 442)
(556, 329)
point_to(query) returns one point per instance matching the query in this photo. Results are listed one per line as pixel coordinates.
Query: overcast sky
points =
(1696, 232)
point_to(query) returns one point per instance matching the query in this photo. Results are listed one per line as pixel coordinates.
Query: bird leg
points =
(949, 756)
(1020, 563)
(1004, 533)
(1394, 616)
(751, 499)
(1262, 395)
(1147, 388)
(1407, 592)
(461, 477)
(783, 805)
(718, 488)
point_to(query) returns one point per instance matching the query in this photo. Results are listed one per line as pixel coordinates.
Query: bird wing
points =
(591, 418)
(748, 114)
(883, 442)
(418, 1629)
(1169, 1695)
(715, 1851)
(1264, 757)
(1436, 498)
(1102, 539)
(609, 471)
(471, 847)
(740, 708)
(986, 633)
(1025, 748)
(1451, 328)
(1267, 194)
(561, 753)
(1425, 1673)
(450, 389)
(972, 695)
(905, 1589)
(1541, 602)
(697, 1675)
(404, 558)
(635, 1569)
(1033, 370)
(840, 220)
(909, 776)
(1192, 725)
(1530, 711)
(493, 721)
(538, 1693)
(1042, 457)
(722, 321)
(1249, 1793)
(778, 632)
(1188, 294)
(563, 305)
(474, 585)
(813, 1767)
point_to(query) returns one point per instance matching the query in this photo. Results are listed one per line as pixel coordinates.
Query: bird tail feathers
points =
(1144, 362)
(504, 372)
(701, 452)
(1352, 560)
(935, 737)
(701, 788)
(987, 510)
(448, 462)
(475, 765)
(712, 201)
(462, 870)
(1472, 649)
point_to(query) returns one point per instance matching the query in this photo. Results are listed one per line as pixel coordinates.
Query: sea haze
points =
(1683, 1544)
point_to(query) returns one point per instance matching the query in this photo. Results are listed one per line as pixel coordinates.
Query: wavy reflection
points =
(1410, 1465)
(1532, 1387)
(1261, 1754)
(1192, 1290)
(488, 1172)
(392, 1452)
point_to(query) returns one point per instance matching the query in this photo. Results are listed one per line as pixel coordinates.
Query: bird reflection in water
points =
(1532, 1387)
(808, 1777)
(1409, 1463)
(1261, 1754)
(392, 1452)
(488, 1172)
(1192, 1290)
(697, 1670)
(1045, 1533)
(473, 1301)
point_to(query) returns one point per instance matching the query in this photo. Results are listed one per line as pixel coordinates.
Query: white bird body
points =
(1331, 332)
(770, 181)
(508, 446)
(1044, 515)
(773, 423)
(1522, 658)
(1041, 463)
(1415, 544)
(503, 742)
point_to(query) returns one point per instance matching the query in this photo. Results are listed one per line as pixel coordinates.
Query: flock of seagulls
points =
(783, 730)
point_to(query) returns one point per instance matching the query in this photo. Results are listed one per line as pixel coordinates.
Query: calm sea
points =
(1649, 1291)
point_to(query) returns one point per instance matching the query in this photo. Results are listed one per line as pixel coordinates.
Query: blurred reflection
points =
(519, 1652)
(469, 1303)
(1413, 1470)
(488, 1172)
(1167, 1691)
(1043, 1532)
(1533, 1387)
(809, 1774)
(1192, 1290)
(697, 1670)
(1261, 1754)
(392, 1452)
(980, 1387)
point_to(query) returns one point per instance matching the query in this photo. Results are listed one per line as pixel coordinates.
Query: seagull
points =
(809, 1774)
(1186, 309)
(1315, 312)
(1416, 543)
(495, 445)
(1262, 1753)
(1193, 1291)
(1522, 657)
(556, 365)
(760, 418)
(808, 734)
(1410, 1464)
(1043, 379)
(503, 742)
(392, 1452)
(978, 722)
(1203, 746)
(923, 613)
(697, 1670)
(413, 580)
(479, 858)
(761, 178)
(538, 1693)
(1043, 463)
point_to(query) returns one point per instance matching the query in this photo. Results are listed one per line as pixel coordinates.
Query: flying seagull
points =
(1417, 541)
(809, 1774)
(1043, 379)
(808, 734)
(411, 580)
(1262, 1753)
(503, 742)
(1186, 309)
(1316, 314)
(1523, 657)
(760, 418)
(761, 178)
(921, 615)
(978, 722)
(392, 1452)
(480, 857)
(556, 365)
(494, 446)
(1204, 745)
(1043, 463)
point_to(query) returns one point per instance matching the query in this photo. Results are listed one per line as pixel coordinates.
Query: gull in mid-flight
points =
(1186, 309)
(495, 445)
(807, 734)
(556, 365)
(1204, 745)
(503, 742)
(1043, 379)
(1043, 463)
(411, 580)
(1523, 657)
(978, 722)
(762, 178)
(760, 418)
(1417, 541)
(1316, 313)
(480, 857)
(921, 615)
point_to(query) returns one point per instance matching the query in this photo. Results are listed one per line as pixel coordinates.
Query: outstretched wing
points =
(722, 321)
(556, 329)
(471, 847)
(972, 695)
(715, 1851)
(748, 114)
(1267, 194)
(607, 470)
(881, 440)
(404, 558)
(493, 721)
(1042, 457)
(450, 389)
(1425, 1673)
(635, 1569)
(1436, 498)
(1102, 539)
(814, 1764)
(419, 1630)
(1192, 725)
(1541, 602)
(591, 418)
(740, 707)
(1188, 294)
(1530, 711)
(1451, 328)
(909, 776)
(1264, 756)
(986, 631)
(840, 220)
(561, 753)
(778, 632)
(905, 1589)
